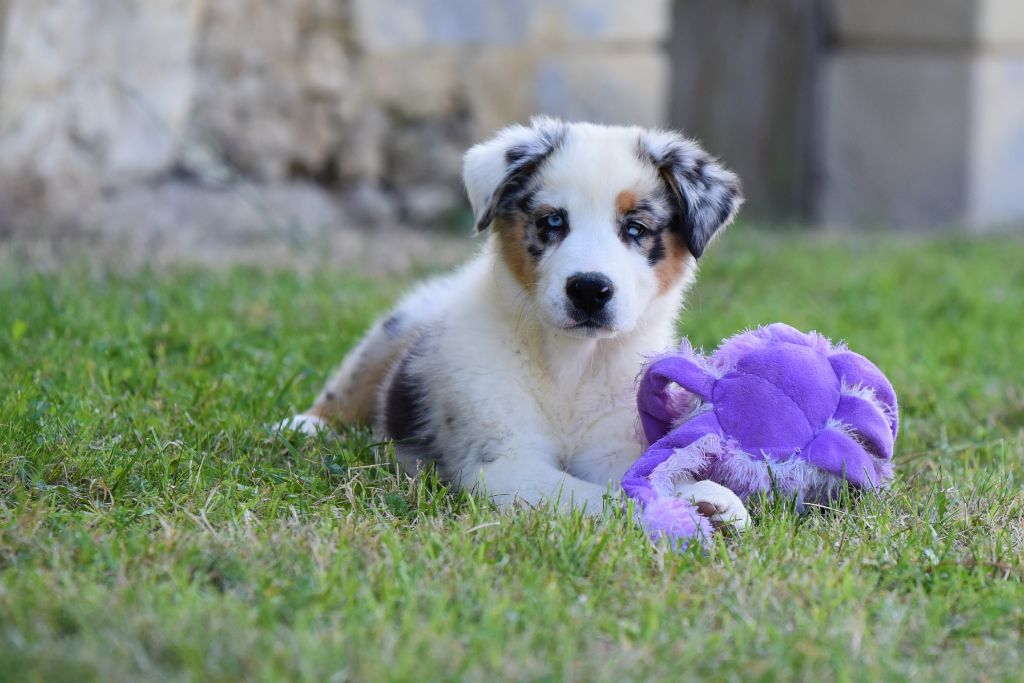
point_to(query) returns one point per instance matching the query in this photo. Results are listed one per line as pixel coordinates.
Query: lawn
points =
(153, 528)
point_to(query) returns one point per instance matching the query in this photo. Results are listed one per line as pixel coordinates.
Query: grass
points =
(152, 527)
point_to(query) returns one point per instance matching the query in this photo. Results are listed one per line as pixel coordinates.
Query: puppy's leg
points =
(349, 396)
(469, 438)
(531, 480)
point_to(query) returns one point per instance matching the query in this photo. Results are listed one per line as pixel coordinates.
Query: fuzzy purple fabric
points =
(773, 410)
(675, 520)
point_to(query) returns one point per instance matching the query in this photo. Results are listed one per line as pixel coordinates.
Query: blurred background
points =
(241, 129)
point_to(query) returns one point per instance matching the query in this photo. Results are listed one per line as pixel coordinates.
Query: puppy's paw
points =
(714, 501)
(310, 425)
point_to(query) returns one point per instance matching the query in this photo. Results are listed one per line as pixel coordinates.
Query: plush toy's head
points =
(773, 410)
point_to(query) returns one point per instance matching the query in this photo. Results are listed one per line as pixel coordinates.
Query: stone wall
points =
(154, 118)
(924, 114)
(195, 123)
(893, 114)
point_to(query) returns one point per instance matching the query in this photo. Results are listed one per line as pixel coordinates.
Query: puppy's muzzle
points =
(589, 293)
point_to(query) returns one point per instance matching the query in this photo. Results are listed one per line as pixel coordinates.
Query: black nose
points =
(589, 292)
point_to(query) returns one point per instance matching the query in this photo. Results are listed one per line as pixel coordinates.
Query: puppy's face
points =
(597, 222)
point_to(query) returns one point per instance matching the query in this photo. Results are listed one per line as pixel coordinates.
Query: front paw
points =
(720, 505)
(309, 425)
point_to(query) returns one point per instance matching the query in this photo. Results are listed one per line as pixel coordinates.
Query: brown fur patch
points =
(355, 402)
(512, 242)
(624, 202)
(671, 268)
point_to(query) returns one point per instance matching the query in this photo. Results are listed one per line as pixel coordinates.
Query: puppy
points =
(516, 374)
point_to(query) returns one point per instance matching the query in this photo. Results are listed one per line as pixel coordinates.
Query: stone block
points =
(425, 152)
(638, 22)
(924, 140)
(276, 90)
(95, 91)
(996, 141)
(431, 204)
(412, 84)
(399, 25)
(613, 86)
(930, 23)
(895, 146)
(499, 89)
(1001, 24)
(361, 155)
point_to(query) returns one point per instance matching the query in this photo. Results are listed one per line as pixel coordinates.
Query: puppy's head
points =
(597, 222)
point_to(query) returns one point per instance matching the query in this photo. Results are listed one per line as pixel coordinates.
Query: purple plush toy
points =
(772, 410)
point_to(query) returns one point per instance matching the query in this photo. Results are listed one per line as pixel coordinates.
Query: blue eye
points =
(636, 230)
(554, 221)
(552, 226)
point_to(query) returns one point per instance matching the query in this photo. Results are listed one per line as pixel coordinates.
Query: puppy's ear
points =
(706, 195)
(497, 170)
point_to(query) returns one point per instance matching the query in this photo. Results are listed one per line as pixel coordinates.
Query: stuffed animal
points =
(772, 410)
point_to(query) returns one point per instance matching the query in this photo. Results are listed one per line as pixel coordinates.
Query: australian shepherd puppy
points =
(516, 375)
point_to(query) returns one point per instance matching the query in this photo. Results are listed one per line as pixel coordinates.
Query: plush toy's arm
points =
(636, 483)
(682, 450)
(668, 478)
(652, 399)
(856, 370)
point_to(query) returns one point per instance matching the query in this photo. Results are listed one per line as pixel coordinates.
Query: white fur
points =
(555, 411)
(310, 425)
(730, 509)
(484, 165)
(517, 404)
(595, 164)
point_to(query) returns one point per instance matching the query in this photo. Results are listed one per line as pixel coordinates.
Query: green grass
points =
(152, 527)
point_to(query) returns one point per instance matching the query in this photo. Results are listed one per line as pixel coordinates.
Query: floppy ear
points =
(497, 170)
(706, 195)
